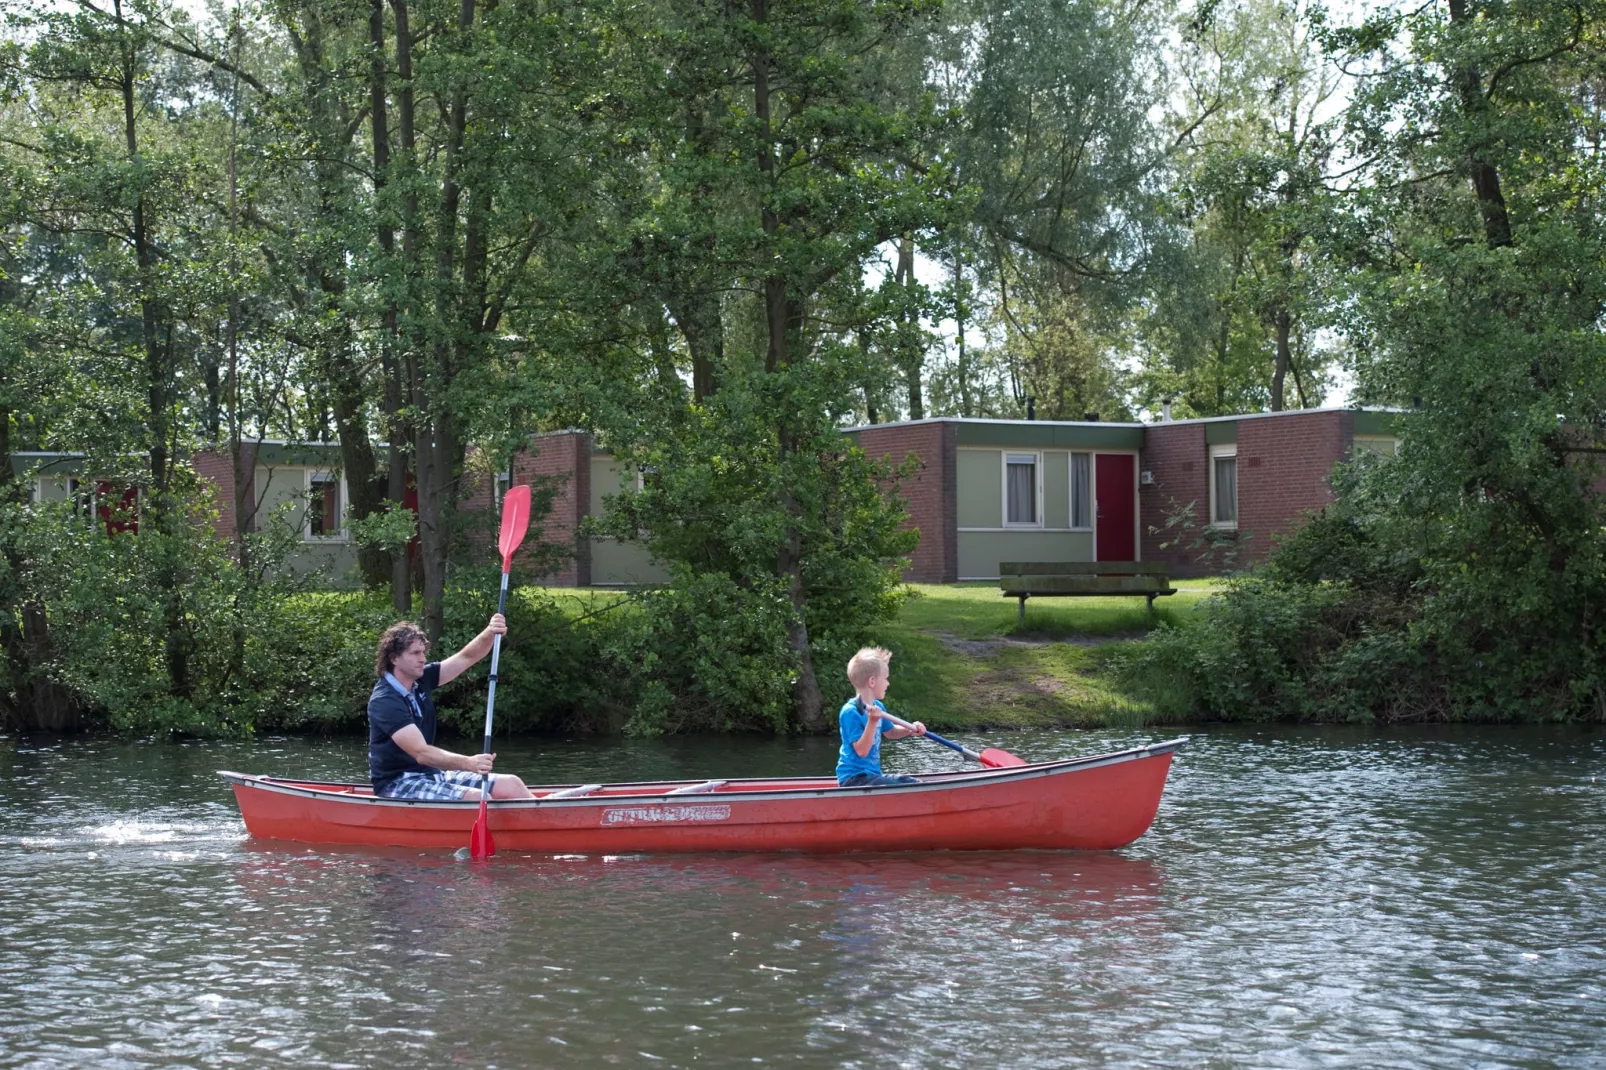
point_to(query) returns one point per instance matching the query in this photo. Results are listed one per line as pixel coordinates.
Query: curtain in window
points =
(325, 508)
(1081, 491)
(1021, 487)
(1226, 491)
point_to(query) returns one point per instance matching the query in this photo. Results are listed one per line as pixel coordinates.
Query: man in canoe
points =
(863, 723)
(403, 761)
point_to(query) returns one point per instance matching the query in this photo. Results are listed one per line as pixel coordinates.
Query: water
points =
(1306, 898)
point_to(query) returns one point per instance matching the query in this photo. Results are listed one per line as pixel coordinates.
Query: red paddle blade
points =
(480, 844)
(994, 758)
(515, 522)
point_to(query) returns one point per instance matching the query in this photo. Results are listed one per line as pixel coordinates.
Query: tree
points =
(1239, 301)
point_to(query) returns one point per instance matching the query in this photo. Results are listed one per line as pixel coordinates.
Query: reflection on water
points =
(1307, 897)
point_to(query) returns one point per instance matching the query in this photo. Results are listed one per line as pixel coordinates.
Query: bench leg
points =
(1020, 614)
(1150, 607)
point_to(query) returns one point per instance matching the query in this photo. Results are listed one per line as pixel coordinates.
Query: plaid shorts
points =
(434, 787)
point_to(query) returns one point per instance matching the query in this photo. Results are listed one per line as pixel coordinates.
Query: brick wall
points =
(1175, 455)
(1284, 465)
(216, 466)
(931, 494)
(565, 456)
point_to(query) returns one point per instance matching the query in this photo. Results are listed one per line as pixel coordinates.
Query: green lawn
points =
(964, 660)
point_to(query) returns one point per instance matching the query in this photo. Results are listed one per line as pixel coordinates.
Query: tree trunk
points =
(401, 595)
(156, 336)
(782, 314)
(1281, 321)
(342, 372)
(963, 366)
(437, 451)
(911, 353)
(1485, 179)
(409, 360)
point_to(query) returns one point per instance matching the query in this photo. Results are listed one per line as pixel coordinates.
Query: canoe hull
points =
(1095, 803)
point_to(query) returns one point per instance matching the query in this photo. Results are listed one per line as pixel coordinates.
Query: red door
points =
(1115, 507)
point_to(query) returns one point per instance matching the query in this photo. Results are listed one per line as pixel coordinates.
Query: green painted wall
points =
(981, 551)
(1048, 436)
(1221, 432)
(1056, 489)
(980, 488)
(285, 487)
(607, 477)
(612, 561)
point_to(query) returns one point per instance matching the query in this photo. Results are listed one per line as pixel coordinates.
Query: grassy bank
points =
(963, 659)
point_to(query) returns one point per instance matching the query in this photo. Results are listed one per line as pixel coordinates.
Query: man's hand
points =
(477, 648)
(479, 763)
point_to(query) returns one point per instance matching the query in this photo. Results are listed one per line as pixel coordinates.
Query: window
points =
(1224, 486)
(1021, 490)
(504, 481)
(1081, 490)
(323, 506)
(1380, 445)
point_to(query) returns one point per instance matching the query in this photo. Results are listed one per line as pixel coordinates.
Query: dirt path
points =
(988, 648)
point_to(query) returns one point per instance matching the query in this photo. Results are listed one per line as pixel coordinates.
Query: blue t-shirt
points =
(852, 720)
(389, 711)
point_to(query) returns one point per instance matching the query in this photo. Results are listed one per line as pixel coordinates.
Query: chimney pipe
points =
(1165, 409)
(1091, 417)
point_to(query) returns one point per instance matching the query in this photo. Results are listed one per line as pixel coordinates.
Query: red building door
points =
(1115, 507)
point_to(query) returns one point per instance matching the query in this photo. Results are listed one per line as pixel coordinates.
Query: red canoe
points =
(1096, 803)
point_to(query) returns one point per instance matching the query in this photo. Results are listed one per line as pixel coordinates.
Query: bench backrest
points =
(1083, 568)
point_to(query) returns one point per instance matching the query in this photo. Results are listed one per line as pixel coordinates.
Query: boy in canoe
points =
(403, 761)
(863, 722)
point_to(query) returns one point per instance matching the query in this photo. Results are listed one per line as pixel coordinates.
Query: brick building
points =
(1016, 490)
(982, 492)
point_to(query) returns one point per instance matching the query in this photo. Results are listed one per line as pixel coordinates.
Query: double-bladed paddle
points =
(992, 757)
(515, 522)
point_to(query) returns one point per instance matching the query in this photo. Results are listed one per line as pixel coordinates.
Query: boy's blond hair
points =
(867, 664)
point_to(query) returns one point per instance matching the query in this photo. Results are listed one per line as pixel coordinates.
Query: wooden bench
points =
(1086, 579)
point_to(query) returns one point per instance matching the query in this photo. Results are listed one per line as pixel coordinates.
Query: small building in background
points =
(989, 491)
(982, 492)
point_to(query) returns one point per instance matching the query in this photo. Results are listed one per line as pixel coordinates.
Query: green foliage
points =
(390, 529)
(716, 503)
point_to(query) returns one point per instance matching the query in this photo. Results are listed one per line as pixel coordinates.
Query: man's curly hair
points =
(396, 641)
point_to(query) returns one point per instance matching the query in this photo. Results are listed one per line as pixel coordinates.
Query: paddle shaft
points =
(935, 738)
(496, 658)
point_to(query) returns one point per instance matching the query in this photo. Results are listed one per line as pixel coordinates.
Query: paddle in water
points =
(515, 521)
(992, 757)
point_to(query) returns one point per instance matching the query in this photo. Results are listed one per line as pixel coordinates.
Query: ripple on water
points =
(1306, 898)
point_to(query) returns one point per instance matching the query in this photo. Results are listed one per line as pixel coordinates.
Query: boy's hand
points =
(918, 728)
(873, 713)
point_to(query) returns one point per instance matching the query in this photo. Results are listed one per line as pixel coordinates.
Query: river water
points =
(1306, 897)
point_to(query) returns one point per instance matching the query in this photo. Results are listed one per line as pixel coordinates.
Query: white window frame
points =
(1037, 481)
(310, 477)
(1070, 486)
(1369, 442)
(501, 483)
(1226, 449)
